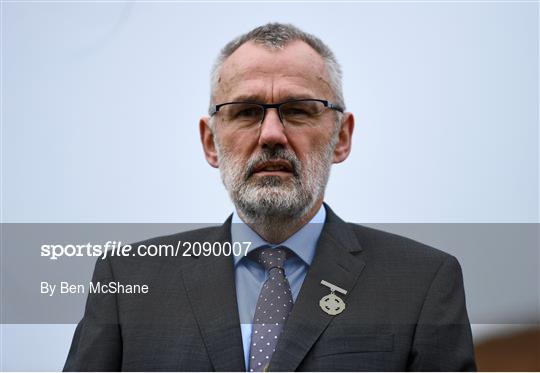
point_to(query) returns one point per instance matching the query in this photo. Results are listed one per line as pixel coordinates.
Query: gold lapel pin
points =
(331, 303)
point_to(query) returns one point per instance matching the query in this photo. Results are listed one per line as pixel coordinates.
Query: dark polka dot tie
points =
(273, 306)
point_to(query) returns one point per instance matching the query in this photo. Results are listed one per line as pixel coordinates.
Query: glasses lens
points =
(302, 112)
(242, 115)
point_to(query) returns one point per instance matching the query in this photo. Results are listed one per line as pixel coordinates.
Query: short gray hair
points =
(278, 35)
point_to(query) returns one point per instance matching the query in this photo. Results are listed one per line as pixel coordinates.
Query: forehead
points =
(273, 74)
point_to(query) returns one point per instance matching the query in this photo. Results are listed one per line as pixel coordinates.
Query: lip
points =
(273, 167)
(273, 173)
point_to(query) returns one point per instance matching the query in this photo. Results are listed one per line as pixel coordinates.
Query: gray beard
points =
(270, 202)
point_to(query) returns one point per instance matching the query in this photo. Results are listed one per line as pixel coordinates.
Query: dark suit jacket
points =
(405, 310)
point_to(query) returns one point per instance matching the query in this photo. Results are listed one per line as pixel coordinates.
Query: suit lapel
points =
(334, 263)
(210, 286)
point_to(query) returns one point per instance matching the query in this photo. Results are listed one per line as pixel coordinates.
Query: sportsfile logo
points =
(110, 248)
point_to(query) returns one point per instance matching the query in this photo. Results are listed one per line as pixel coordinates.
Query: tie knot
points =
(271, 257)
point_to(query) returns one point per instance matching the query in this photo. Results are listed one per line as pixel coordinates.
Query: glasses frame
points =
(277, 106)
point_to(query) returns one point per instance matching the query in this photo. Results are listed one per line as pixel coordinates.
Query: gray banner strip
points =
(500, 265)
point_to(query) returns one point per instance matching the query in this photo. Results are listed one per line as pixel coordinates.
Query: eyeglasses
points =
(292, 112)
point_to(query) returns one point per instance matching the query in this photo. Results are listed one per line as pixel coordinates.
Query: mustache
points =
(274, 154)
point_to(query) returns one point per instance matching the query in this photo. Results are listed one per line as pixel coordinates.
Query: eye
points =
(243, 113)
(301, 109)
(294, 111)
(248, 112)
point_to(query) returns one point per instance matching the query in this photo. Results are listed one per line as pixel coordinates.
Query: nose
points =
(272, 131)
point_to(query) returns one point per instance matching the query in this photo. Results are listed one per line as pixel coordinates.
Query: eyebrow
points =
(257, 98)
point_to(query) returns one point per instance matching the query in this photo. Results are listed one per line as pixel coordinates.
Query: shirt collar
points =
(302, 243)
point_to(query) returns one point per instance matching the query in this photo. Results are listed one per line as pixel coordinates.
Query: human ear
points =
(343, 146)
(208, 141)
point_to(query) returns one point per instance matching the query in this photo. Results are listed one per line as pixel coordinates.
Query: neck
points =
(275, 230)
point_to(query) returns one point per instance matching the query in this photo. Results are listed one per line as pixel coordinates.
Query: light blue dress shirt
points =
(250, 276)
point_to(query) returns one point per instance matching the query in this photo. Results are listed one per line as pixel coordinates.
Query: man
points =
(313, 292)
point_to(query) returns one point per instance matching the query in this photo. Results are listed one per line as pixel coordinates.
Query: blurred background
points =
(99, 123)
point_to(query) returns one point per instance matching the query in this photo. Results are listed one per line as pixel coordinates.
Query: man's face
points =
(274, 169)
